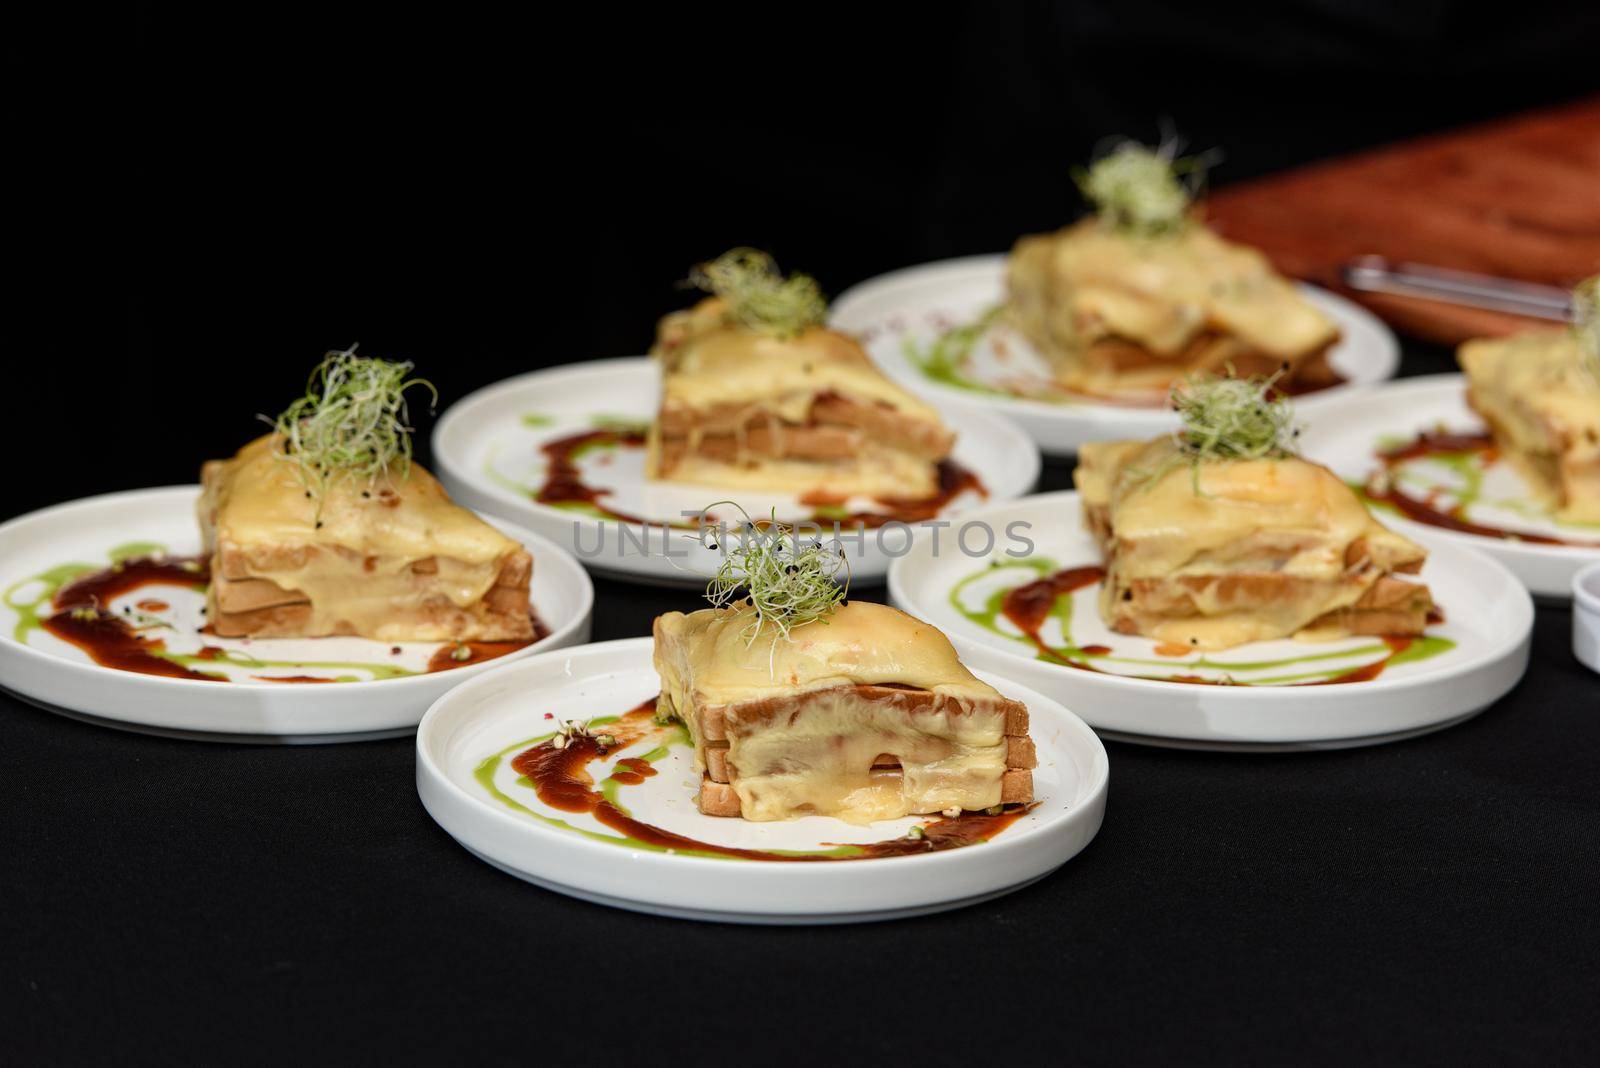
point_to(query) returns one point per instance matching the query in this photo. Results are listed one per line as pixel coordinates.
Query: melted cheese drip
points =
(1094, 282)
(1545, 407)
(356, 568)
(1286, 517)
(861, 643)
(708, 363)
(819, 760)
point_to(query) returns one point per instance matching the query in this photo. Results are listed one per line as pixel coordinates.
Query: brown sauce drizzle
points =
(1029, 605)
(83, 619)
(954, 480)
(112, 643)
(564, 484)
(123, 577)
(447, 658)
(1424, 510)
(561, 779)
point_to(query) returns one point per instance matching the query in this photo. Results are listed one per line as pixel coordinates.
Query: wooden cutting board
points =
(1518, 198)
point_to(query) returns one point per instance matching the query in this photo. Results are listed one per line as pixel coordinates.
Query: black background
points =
(210, 201)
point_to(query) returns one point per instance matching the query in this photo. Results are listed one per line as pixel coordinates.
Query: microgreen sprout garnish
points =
(352, 423)
(1233, 419)
(1143, 191)
(781, 579)
(757, 294)
(571, 731)
(1586, 322)
(916, 833)
(1230, 418)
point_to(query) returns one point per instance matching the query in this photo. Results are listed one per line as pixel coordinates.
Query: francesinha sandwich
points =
(1220, 534)
(1539, 391)
(325, 527)
(757, 393)
(801, 703)
(1142, 293)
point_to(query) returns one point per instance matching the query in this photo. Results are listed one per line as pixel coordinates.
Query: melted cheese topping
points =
(861, 643)
(1544, 405)
(819, 760)
(817, 756)
(1092, 282)
(356, 566)
(708, 363)
(1287, 517)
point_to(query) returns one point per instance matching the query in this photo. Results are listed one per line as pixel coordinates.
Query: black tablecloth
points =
(1423, 901)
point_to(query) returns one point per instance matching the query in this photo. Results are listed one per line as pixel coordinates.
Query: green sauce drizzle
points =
(990, 613)
(674, 735)
(50, 582)
(944, 358)
(32, 611)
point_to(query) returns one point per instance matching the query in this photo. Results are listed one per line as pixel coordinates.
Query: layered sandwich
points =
(1539, 392)
(865, 715)
(324, 527)
(1221, 535)
(1142, 293)
(758, 394)
(800, 702)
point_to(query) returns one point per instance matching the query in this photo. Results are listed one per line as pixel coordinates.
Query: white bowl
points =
(1586, 616)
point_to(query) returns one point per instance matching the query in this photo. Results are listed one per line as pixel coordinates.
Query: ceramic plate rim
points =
(1520, 626)
(92, 671)
(1093, 792)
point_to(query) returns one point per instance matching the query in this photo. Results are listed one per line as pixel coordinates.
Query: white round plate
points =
(487, 450)
(379, 692)
(912, 306)
(1348, 437)
(468, 738)
(1459, 668)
